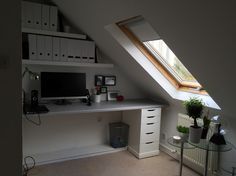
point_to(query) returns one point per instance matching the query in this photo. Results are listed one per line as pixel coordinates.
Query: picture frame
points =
(109, 80)
(99, 80)
(103, 89)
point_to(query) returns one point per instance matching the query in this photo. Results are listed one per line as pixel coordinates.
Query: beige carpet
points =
(115, 164)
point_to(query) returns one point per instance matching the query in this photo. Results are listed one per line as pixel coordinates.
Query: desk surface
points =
(104, 106)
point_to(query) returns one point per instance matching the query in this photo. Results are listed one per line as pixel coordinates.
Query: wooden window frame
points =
(183, 86)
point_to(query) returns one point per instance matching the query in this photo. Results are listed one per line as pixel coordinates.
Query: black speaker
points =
(34, 98)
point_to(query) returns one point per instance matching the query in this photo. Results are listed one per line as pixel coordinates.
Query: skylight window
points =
(148, 41)
(164, 55)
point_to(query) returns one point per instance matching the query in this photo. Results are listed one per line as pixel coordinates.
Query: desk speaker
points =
(34, 98)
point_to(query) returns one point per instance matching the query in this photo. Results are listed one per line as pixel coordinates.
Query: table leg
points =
(181, 158)
(206, 163)
(233, 171)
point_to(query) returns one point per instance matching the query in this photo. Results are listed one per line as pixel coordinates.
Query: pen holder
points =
(97, 98)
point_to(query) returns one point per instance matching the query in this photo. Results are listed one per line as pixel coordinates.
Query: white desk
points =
(135, 107)
(105, 106)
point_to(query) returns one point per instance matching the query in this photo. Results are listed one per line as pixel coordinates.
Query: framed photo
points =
(109, 80)
(99, 80)
(103, 89)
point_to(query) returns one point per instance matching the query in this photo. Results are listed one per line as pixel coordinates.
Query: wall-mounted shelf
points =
(53, 33)
(69, 64)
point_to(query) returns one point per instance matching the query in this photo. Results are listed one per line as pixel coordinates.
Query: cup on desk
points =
(97, 98)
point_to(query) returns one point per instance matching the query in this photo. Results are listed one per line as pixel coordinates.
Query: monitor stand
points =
(62, 102)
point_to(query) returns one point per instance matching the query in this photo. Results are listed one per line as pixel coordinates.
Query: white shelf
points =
(69, 64)
(53, 33)
(73, 153)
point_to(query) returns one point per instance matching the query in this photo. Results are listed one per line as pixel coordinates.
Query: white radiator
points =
(196, 157)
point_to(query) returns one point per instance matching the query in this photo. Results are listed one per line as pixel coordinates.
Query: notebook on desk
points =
(39, 109)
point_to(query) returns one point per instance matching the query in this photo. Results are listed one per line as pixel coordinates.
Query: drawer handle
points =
(150, 117)
(150, 133)
(148, 142)
(150, 123)
(151, 109)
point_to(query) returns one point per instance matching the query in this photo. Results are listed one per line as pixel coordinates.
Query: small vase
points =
(97, 98)
(204, 133)
(195, 134)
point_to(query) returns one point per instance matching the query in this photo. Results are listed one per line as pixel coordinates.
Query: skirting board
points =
(143, 155)
(173, 153)
(73, 153)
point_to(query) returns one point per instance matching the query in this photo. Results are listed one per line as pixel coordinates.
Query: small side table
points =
(182, 145)
(209, 146)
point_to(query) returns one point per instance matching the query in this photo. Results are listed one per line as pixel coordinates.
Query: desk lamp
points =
(33, 75)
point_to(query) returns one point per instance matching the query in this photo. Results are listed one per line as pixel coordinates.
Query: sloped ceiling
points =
(201, 33)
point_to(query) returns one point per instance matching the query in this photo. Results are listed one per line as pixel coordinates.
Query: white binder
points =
(91, 51)
(45, 17)
(32, 47)
(71, 49)
(27, 7)
(37, 8)
(63, 49)
(56, 48)
(40, 47)
(53, 18)
(84, 57)
(78, 51)
(48, 47)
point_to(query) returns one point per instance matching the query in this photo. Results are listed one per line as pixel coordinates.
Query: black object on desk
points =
(39, 109)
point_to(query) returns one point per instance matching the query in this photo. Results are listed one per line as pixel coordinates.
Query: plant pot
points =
(204, 133)
(97, 98)
(195, 134)
(184, 136)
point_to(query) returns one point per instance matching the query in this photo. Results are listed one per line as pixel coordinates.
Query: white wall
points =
(10, 88)
(62, 132)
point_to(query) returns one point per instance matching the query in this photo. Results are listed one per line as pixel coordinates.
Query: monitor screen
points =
(55, 85)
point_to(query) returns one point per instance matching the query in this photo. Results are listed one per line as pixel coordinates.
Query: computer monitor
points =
(63, 85)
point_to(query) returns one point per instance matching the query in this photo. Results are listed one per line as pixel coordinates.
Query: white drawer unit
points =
(144, 132)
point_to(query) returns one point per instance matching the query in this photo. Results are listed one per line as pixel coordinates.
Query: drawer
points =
(151, 112)
(150, 127)
(150, 118)
(149, 146)
(149, 136)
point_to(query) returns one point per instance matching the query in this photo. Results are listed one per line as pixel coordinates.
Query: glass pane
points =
(169, 60)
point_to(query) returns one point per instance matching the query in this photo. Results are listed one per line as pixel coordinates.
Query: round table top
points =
(207, 145)
(229, 167)
(178, 145)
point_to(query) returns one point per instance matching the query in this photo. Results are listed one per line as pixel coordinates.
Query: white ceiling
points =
(201, 33)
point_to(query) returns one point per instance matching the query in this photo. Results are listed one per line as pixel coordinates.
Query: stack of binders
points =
(60, 49)
(39, 16)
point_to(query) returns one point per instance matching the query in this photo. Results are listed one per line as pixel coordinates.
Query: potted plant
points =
(183, 132)
(97, 94)
(194, 108)
(206, 124)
